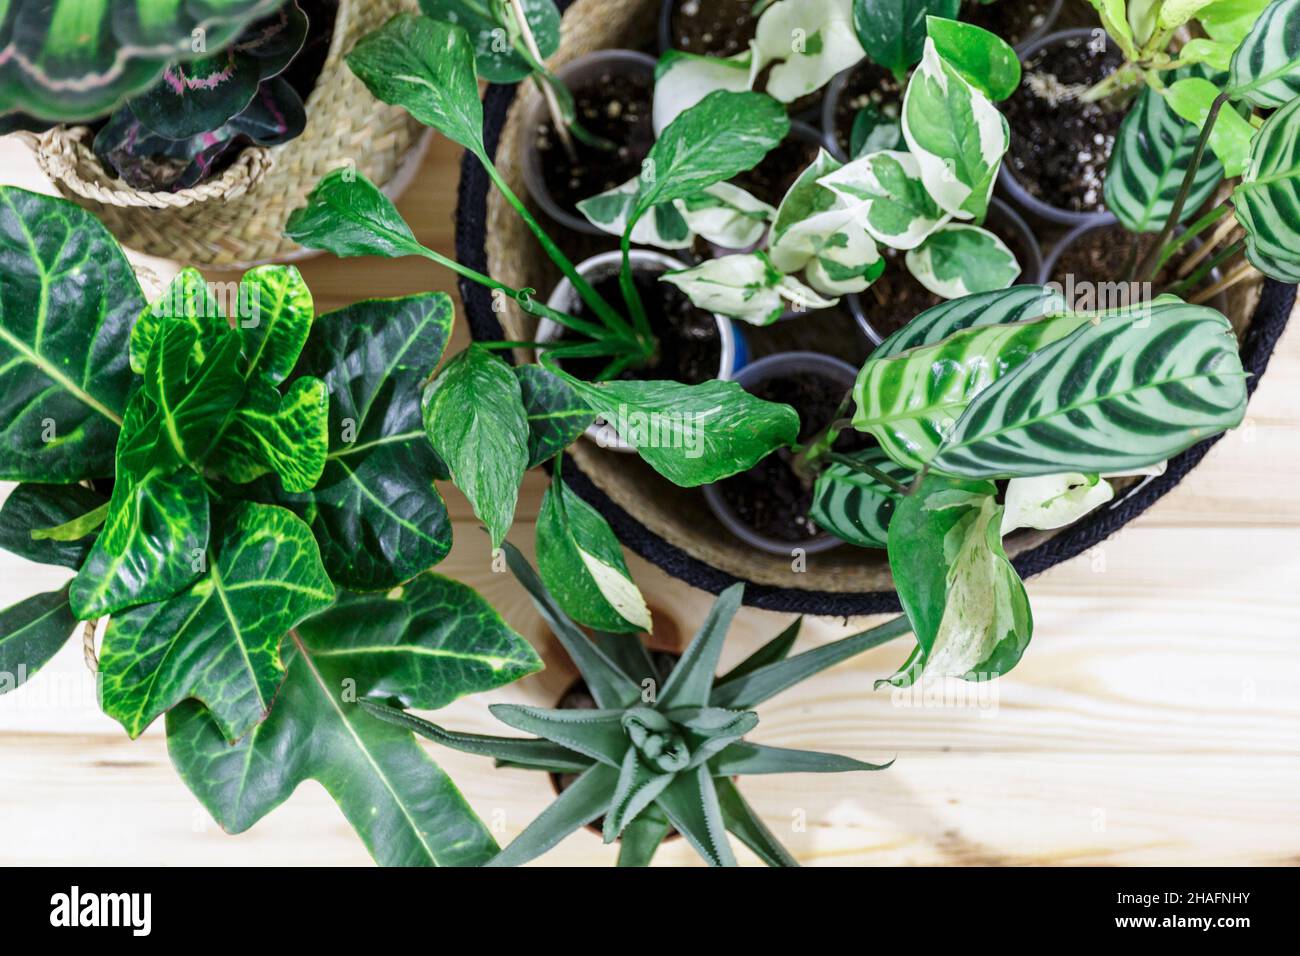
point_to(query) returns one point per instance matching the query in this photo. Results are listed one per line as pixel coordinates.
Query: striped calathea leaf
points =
(67, 60)
(1020, 303)
(66, 307)
(748, 287)
(1147, 167)
(956, 134)
(423, 645)
(806, 42)
(658, 752)
(855, 505)
(967, 606)
(1266, 197)
(723, 214)
(582, 562)
(959, 259)
(1265, 70)
(683, 79)
(888, 193)
(1124, 390)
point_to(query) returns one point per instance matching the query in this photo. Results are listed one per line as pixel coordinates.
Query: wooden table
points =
(1155, 719)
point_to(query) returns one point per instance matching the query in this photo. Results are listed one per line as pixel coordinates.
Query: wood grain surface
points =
(1154, 720)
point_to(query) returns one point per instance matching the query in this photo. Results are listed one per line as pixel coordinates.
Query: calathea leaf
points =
(1052, 501)
(426, 67)
(747, 287)
(31, 632)
(275, 39)
(809, 41)
(856, 506)
(1191, 98)
(1266, 66)
(957, 136)
(683, 79)
(1018, 304)
(1125, 390)
(198, 96)
(960, 259)
(475, 418)
(1266, 197)
(287, 435)
(967, 605)
(909, 402)
(218, 641)
(886, 193)
(500, 62)
(984, 59)
(375, 511)
(692, 434)
(33, 508)
(892, 32)
(1148, 165)
(66, 307)
(556, 415)
(347, 215)
(582, 564)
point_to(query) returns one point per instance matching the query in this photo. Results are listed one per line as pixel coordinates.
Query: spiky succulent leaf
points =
(774, 651)
(741, 820)
(582, 801)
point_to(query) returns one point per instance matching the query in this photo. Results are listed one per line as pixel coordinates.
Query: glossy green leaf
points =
(219, 640)
(893, 31)
(959, 260)
(375, 511)
(692, 434)
(582, 564)
(201, 95)
(1228, 21)
(957, 136)
(1191, 98)
(984, 59)
(910, 402)
(274, 320)
(1149, 163)
(1267, 199)
(875, 130)
(683, 79)
(66, 307)
(31, 632)
(495, 63)
(426, 67)
(1124, 390)
(475, 418)
(556, 415)
(286, 435)
(34, 508)
(347, 215)
(856, 506)
(967, 605)
(1265, 68)
(187, 299)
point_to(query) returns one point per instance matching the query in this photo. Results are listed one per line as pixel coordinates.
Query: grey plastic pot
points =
(774, 366)
(1219, 302)
(734, 350)
(1007, 182)
(1008, 222)
(573, 74)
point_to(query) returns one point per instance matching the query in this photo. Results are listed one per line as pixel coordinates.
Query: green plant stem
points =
(1146, 270)
(1192, 281)
(871, 470)
(1190, 233)
(628, 287)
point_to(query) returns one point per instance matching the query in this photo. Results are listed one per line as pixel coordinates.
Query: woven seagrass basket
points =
(672, 526)
(237, 219)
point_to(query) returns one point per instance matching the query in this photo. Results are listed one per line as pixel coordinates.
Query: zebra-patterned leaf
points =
(1125, 390)
(1267, 199)
(69, 60)
(219, 640)
(890, 197)
(556, 415)
(35, 508)
(375, 511)
(66, 306)
(856, 506)
(1018, 304)
(31, 632)
(1265, 69)
(1148, 164)
(286, 435)
(911, 402)
(960, 260)
(967, 605)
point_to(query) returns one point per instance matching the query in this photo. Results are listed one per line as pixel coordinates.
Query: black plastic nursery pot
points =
(673, 527)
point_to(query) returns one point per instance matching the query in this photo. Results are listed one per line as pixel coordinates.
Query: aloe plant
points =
(659, 752)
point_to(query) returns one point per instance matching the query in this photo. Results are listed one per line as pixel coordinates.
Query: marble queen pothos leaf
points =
(376, 512)
(434, 642)
(218, 640)
(67, 303)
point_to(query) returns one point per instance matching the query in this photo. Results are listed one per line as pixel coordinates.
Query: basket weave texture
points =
(237, 219)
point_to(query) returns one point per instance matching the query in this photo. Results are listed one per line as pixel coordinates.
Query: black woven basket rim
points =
(1270, 318)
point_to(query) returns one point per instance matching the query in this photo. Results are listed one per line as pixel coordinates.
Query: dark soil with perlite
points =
(867, 85)
(1012, 20)
(713, 27)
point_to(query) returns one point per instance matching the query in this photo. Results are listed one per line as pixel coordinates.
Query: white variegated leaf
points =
(960, 260)
(726, 215)
(662, 227)
(1052, 501)
(894, 204)
(809, 41)
(747, 287)
(683, 79)
(623, 595)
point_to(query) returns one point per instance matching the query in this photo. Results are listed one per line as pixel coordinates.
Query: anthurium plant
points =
(926, 199)
(660, 752)
(244, 490)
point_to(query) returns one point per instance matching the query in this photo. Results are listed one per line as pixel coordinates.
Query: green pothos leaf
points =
(31, 632)
(887, 194)
(893, 32)
(375, 511)
(556, 415)
(1052, 501)
(66, 307)
(809, 41)
(967, 605)
(218, 641)
(582, 564)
